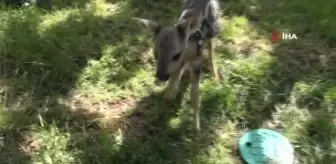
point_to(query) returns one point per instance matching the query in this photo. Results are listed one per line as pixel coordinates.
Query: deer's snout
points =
(162, 76)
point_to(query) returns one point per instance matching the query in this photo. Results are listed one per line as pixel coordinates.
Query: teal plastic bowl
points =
(264, 146)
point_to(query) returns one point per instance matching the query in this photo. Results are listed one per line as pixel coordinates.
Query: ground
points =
(77, 84)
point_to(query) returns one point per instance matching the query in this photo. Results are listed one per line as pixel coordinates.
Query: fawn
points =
(179, 47)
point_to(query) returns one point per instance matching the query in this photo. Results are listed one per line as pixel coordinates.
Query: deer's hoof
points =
(216, 78)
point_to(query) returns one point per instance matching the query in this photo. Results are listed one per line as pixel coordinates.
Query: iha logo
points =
(277, 36)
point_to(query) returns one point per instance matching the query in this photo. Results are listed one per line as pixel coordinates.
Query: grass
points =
(77, 84)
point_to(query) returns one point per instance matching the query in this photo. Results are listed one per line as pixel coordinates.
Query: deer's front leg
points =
(173, 84)
(212, 61)
(195, 95)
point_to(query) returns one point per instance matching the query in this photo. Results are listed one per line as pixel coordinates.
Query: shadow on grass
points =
(146, 135)
(42, 63)
(45, 4)
(42, 57)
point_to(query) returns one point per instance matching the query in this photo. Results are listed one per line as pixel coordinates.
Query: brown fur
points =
(176, 52)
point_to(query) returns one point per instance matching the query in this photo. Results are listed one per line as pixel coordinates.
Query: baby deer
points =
(179, 47)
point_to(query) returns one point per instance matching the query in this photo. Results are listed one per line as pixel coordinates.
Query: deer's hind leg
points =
(212, 60)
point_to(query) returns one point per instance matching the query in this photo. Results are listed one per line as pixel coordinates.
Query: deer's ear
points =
(188, 21)
(150, 25)
(190, 18)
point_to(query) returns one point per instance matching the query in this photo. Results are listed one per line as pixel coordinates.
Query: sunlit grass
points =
(77, 85)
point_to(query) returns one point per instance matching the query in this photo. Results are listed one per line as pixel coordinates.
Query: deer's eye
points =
(177, 56)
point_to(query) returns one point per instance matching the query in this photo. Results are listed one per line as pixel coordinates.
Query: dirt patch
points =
(111, 109)
(118, 115)
(31, 146)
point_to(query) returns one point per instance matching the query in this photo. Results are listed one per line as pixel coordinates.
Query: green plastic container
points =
(264, 146)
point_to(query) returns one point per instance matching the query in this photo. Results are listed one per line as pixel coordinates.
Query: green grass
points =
(77, 84)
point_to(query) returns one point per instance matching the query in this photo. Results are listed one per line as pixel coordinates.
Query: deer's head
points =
(171, 41)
